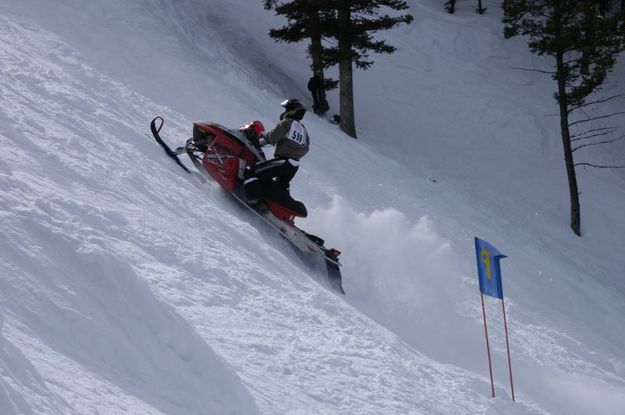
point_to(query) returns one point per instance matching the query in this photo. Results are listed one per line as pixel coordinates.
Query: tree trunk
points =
(566, 143)
(346, 94)
(589, 39)
(604, 6)
(316, 55)
(315, 44)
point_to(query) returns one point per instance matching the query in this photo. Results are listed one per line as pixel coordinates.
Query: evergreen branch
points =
(533, 70)
(596, 118)
(598, 142)
(600, 101)
(598, 166)
(574, 61)
(593, 135)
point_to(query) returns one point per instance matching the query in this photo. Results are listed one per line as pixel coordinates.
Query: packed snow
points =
(128, 286)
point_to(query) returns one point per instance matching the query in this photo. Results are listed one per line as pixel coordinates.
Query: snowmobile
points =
(222, 154)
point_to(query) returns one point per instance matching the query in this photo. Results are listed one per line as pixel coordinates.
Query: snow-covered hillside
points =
(127, 286)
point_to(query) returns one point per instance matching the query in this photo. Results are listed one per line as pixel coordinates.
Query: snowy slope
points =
(129, 287)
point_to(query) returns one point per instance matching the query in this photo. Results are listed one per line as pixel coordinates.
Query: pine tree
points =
(305, 21)
(352, 24)
(582, 60)
(356, 22)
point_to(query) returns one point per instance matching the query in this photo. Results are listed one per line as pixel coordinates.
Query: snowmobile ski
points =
(171, 153)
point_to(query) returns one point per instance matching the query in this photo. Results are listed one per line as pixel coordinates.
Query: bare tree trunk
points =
(566, 143)
(346, 94)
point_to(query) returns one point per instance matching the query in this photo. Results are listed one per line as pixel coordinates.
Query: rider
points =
(292, 142)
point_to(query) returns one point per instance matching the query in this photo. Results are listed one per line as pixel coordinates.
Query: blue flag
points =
(488, 268)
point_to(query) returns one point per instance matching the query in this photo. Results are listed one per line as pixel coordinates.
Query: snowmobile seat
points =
(281, 203)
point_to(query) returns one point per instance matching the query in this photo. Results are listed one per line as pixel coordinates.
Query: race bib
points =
(297, 133)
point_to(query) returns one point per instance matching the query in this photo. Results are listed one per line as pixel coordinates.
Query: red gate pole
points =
(505, 324)
(490, 365)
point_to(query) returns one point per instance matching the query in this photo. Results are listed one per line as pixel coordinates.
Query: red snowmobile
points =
(223, 154)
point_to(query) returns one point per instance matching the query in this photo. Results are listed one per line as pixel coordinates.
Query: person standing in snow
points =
(292, 143)
(316, 88)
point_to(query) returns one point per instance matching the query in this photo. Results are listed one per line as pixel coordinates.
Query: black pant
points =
(316, 100)
(280, 170)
